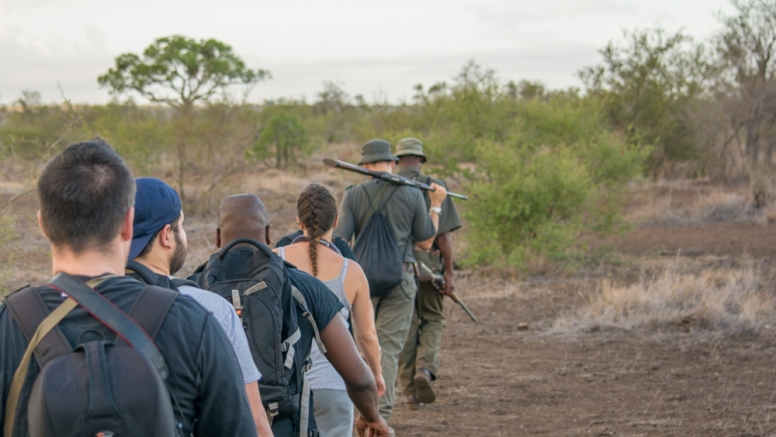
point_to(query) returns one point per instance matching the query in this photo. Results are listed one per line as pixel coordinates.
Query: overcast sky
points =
(377, 49)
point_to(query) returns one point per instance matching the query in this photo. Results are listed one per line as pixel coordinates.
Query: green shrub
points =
(284, 137)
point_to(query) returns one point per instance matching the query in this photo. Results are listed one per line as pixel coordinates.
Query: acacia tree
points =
(180, 72)
(286, 133)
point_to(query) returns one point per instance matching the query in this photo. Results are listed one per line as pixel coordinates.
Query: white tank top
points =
(322, 375)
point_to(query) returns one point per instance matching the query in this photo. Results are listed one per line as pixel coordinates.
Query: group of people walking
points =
(255, 342)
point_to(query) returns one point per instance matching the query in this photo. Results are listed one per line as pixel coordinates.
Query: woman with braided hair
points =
(313, 253)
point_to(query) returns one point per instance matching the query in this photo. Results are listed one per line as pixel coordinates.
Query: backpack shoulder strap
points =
(111, 316)
(306, 314)
(380, 204)
(151, 307)
(44, 328)
(304, 413)
(28, 310)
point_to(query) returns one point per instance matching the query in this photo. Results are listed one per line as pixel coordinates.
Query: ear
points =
(40, 226)
(336, 222)
(218, 238)
(126, 226)
(167, 237)
(268, 236)
(300, 224)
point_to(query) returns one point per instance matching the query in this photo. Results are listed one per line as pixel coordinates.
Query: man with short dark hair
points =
(411, 223)
(244, 216)
(158, 250)
(419, 360)
(86, 196)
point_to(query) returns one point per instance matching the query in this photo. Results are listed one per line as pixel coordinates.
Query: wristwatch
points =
(435, 209)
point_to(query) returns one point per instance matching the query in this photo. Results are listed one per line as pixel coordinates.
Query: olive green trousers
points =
(421, 349)
(393, 317)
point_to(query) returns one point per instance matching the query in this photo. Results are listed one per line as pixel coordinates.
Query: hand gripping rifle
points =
(425, 274)
(388, 177)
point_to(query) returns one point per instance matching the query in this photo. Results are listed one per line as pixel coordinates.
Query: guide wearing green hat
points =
(376, 151)
(419, 359)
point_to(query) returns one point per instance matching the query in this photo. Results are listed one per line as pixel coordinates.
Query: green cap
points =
(410, 146)
(376, 151)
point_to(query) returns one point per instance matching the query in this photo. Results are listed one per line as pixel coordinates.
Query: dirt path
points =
(499, 381)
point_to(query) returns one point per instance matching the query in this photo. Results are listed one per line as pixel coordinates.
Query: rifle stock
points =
(388, 177)
(425, 274)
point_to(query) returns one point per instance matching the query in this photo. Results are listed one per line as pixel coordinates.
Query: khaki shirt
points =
(449, 219)
(405, 210)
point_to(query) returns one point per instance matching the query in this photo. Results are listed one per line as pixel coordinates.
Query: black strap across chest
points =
(380, 204)
(137, 329)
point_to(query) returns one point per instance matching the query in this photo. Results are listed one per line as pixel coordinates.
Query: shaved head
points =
(242, 216)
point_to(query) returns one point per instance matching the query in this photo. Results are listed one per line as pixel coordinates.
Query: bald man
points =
(245, 216)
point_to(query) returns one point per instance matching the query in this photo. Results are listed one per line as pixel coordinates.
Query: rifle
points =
(388, 177)
(425, 274)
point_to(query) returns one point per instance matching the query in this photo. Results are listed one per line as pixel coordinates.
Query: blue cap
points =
(156, 205)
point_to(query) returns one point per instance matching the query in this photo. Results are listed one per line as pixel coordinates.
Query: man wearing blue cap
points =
(411, 224)
(159, 249)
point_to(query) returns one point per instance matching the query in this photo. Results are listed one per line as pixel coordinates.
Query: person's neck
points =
(327, 236)
(111, 259)
(155, 263)
(226, 238)
(385, 168)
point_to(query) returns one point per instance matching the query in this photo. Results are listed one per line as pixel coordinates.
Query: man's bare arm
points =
(437, 197)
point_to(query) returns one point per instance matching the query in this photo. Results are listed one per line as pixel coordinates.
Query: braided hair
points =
(317, 211)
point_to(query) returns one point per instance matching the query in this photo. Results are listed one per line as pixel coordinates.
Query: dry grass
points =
(688, 203)
(728, 299)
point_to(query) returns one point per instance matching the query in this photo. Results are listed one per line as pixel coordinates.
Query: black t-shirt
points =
(204, 375)
(323, 307)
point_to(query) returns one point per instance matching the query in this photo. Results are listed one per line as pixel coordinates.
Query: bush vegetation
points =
(541, 166)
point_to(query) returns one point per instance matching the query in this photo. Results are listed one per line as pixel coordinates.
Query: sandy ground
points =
(497, 380)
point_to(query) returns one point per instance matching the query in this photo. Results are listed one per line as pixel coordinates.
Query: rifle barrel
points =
(458, 300)
(388, 177)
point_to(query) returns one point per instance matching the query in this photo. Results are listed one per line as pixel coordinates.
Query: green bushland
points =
(541, 166)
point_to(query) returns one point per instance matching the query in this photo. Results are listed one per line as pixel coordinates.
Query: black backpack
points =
(147, 276)
(102, 388)
(256, 283)
(376, 250)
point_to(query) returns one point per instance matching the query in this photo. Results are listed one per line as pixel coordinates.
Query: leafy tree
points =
(285, 133)
(648, 83)
(180, 72)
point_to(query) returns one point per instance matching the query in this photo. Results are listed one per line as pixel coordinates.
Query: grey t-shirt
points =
(404, 208)
(227, 318)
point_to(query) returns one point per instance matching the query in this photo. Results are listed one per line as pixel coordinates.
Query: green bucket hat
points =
(410, 146)
(376, 151)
